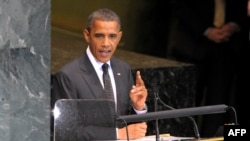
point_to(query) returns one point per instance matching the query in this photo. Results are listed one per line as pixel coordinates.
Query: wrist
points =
(142, 108)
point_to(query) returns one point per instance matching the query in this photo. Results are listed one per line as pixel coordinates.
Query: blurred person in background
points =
(211, 38)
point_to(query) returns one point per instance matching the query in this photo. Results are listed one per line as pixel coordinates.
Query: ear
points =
(86, 35)
(119, 36)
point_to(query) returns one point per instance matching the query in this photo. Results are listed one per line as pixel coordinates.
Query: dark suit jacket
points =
(194, 17)
(78, 80)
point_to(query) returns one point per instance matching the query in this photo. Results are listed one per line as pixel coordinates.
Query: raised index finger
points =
(139, 81)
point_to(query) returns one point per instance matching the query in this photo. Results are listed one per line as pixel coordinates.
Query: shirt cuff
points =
(145, 110)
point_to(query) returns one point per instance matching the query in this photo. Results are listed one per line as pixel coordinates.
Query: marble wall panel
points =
(24, 70)
(174, 88)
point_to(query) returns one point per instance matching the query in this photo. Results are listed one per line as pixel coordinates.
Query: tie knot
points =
(105, 67)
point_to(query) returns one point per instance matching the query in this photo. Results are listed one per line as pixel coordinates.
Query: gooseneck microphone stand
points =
(157, 135)
(196, 130)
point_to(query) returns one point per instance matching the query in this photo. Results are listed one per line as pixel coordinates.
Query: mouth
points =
(105, 53)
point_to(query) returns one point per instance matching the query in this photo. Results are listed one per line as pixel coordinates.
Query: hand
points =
(138, 93)
(223, 33)
(217, 35)
(230, 28)
(135, 131)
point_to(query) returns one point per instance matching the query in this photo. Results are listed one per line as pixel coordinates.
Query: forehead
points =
(107, 26)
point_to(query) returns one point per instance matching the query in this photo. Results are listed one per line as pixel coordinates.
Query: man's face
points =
(103, 39)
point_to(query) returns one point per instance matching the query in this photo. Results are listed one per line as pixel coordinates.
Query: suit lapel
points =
(90, 77)
(118, 81)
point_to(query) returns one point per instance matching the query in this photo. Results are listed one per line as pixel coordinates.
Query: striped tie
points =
(107, 82)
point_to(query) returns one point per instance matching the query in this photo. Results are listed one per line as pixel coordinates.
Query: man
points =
(82, 78)
(210, 37)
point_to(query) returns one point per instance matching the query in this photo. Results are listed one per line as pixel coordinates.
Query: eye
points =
(113, 36)
(99, 35)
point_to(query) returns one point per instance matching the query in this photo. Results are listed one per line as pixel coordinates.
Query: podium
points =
(76, 117)
(91, 117)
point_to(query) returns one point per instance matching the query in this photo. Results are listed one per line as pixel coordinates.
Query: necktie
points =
(107, 82)
(219, 16)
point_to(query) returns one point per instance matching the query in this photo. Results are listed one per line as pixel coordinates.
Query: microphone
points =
(184, 112)
(157, 135)
(196, 130)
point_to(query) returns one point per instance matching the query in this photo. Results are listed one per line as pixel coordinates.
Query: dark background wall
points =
(147, 24)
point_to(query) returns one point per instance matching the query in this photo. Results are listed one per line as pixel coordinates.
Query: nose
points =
(105, 41)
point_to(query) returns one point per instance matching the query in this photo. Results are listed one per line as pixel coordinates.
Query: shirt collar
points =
(97, 64)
